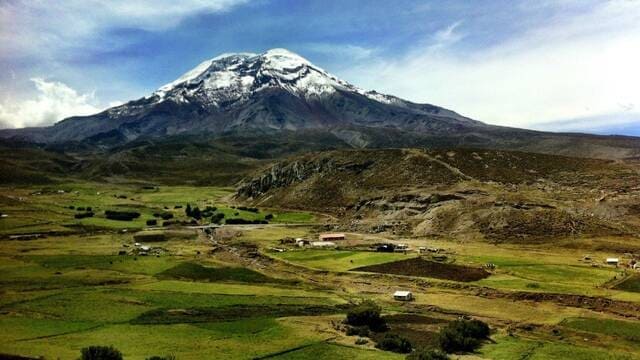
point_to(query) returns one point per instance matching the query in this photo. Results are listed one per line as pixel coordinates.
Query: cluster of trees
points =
(163, 215)
(193, 212)
(121, 215)
(250, 209)
(457, 337)
(463, 335)
(111, 353)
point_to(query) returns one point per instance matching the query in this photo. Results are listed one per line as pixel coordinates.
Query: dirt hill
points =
(497, 195)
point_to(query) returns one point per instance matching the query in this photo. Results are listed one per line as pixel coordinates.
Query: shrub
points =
(166, 216)
(427, 354)
(100, 353)
(121, 215)
(152, 222)
(83, 215)
(362, 331)
(196, 214)
(463, 335)
(168, 357)
(268, 217)
(80, 209)
(89, 208)
(394, 343)
(367, 313)
(217, 218)
(187, 210)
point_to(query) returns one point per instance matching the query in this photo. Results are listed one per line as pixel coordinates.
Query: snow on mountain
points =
(230, 78)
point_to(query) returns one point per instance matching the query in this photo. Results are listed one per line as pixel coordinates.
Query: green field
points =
(338, 260)
(239, 298)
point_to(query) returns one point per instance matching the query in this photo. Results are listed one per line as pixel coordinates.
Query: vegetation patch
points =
(197, 272)
(121, 215)
(619, 328)
(631, 284)
(426, 268)
(233, 312)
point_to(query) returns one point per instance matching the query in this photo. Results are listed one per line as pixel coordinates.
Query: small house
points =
(403, 295)
(613, 261)
(331, 237)
(422, 249)
(323, 244)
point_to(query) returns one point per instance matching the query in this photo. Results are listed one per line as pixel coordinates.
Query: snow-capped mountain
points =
(279, 91)
(275, 90)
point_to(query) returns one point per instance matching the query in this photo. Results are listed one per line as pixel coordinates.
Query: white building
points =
(323, 244)
(613, 261)
(403, 295)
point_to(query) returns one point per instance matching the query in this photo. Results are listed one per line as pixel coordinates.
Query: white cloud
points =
(570, 67)
(346, 52)
(44, 27)
(55, 101)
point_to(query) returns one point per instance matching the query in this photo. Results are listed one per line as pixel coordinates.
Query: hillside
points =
(497, 195)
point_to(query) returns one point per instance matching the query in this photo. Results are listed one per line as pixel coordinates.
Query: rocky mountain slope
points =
(279, 91)
(496, 195)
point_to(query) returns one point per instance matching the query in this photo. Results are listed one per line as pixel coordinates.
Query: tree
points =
(187, 211)
(196, 214)
(367, 313)
(100, 353)
(463, 335)
(395, 343)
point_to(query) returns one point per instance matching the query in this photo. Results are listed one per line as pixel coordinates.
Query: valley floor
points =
(239, 291)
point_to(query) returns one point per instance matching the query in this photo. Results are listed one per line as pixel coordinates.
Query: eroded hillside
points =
(496, 195)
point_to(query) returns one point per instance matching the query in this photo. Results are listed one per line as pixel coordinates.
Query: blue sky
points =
(565, 65)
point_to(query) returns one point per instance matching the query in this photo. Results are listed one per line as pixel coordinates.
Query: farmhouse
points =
(403, 295)
(613, 261)
(323, 244)
(331, 237)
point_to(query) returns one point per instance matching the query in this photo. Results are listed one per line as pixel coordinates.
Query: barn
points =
(331, 237)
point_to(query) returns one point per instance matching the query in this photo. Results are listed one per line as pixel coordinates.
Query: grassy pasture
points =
(338, 260)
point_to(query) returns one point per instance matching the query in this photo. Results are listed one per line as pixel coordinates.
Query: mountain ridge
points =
(279, 91)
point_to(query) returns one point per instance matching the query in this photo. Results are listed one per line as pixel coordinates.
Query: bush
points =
(152, 222)
(196, 214)
(121, 215)
(83, 215)
(427, 354)
(80, 209)
(367, 313)
(362, 331)
(187, 210)
(166, 216)
(100, 353)
(394, 343)
(89, 208)
(268, 217)
(250, 209)
(217, 218)
(463, 335)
